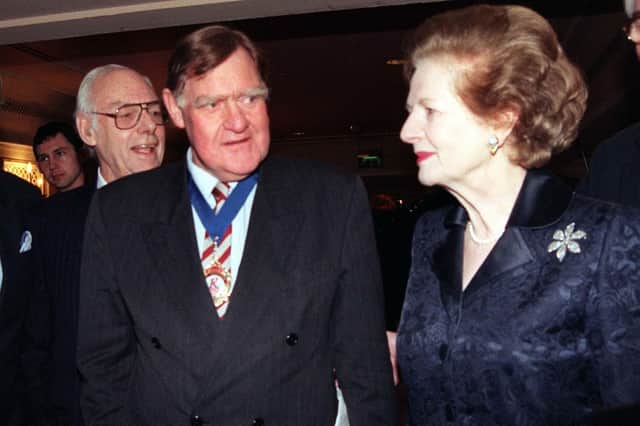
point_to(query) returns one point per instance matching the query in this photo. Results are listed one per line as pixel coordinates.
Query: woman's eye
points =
(428, 111)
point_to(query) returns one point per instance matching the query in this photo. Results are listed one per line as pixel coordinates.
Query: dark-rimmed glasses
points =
(632, 27)
(128, 116)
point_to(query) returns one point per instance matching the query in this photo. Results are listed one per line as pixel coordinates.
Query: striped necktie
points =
(216, 258)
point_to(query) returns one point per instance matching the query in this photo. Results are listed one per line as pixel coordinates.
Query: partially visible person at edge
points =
(522, 302)
(17, 197)
(613, 173)
(59, 153)
(120, 116)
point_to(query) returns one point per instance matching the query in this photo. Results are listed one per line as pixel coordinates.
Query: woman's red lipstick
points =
(423, 155)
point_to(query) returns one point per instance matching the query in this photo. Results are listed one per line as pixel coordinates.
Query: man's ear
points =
(171, 104)
(85, 130)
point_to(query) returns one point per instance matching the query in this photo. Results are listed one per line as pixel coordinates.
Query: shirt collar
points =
(204, 180)
(100, 181)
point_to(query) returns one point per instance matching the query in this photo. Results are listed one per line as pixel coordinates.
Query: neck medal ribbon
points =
(217, 223)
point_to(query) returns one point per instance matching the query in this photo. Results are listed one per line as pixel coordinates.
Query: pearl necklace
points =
(481, 241)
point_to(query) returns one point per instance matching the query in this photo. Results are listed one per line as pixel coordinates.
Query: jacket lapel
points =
(172, 243)
(276, 218)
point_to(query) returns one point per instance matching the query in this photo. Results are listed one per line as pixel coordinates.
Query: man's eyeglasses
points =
(128, 116)
(632, 27)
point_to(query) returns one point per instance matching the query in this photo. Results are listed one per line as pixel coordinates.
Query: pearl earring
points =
(493, 144)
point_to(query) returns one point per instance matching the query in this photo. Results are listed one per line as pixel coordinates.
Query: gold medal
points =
(219, 283)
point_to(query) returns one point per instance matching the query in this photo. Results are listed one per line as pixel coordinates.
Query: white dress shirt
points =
(100, 181)
(205, 182)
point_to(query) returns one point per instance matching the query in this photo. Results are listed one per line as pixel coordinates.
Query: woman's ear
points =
(506, 122)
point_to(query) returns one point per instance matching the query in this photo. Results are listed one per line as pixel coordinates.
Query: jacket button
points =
(291, 339)
(156, 343)
(258, 422)
(448, 412)
(196, 421)
(442, 352)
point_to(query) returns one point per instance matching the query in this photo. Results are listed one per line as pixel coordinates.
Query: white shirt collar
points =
(100, 181)
(204, 180)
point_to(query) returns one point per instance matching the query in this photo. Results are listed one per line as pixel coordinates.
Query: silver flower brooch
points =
(566, 240)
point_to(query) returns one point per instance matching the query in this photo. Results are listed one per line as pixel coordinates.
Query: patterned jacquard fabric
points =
(533, 340)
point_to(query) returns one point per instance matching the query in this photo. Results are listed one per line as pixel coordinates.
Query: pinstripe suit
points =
(307, 300)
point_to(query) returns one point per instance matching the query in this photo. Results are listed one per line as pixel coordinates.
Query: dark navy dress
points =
(548, 330)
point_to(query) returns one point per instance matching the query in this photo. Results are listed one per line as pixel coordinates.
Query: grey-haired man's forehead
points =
(630, 6)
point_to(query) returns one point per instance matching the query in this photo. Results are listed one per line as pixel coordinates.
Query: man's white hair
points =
(85, 102)
(629, 7)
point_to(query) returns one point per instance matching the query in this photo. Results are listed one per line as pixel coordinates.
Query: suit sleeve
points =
(362, 361)
(36, 359)
(16, 199)
(614, 313)
(106, 345)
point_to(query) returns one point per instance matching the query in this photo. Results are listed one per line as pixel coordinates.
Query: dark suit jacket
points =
(532, 340)
(614, 171)
(50, 352)
(16, 196)
(307, 300)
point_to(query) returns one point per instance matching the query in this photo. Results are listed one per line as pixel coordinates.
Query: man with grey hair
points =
(613, 171)
(110, 118)
(119, 114)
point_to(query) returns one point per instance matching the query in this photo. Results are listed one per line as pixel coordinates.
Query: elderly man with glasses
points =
(109, 116)
(119, 114)
(613, 172)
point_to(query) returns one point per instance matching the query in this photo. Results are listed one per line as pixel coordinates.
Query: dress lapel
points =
(447, 262)
(541, 201)
(510, 252)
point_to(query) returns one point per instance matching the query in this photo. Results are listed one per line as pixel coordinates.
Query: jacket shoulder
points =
(617, 144)
(303, 170)
(603, 223)
(147, 185)
(610, 209)
(17, 191)
(63, 200)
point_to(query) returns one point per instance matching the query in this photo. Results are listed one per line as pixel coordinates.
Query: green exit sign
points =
(369, 160)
